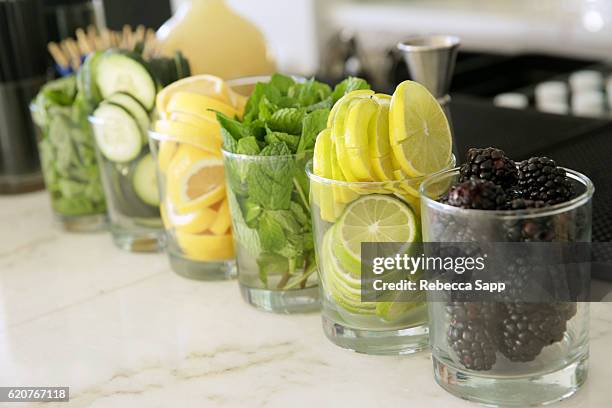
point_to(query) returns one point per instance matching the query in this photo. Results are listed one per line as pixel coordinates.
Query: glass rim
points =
(428, 42)
(324, 180)
(255, 157)
(255, 79)
(556, 209)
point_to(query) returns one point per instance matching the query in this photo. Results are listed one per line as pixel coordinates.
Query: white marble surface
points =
(123, 331)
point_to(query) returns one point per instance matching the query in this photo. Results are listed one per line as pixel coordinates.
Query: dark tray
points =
(582, 144)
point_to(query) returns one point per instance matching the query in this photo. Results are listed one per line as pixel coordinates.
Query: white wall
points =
(290, 29)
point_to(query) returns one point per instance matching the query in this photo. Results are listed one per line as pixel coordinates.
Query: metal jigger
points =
(431, 62)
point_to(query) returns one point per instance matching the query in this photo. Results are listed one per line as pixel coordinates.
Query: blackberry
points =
(522, 204)
(526, 329)
(477, 195)
(472, 333)
(539, 178)
(489, 164)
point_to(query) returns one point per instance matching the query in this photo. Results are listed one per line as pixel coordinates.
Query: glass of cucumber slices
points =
(518, 350)
(345, 215)
(129, 175)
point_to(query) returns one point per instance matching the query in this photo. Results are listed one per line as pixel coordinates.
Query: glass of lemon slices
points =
(186, 146)
(364, 179)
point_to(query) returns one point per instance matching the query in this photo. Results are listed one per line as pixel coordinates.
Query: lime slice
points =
(375, 218)
(419, 132)
(392, 311)
(344, 289)
(361, 93)
(322, 194)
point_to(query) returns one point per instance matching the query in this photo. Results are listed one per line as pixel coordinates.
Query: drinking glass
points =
(194, 208)
(268, 200)
(509, 353)
(131, 191)
(68, 161)
(342, 216)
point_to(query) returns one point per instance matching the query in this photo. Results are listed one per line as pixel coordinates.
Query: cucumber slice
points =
(117, 133)
(86, 79)
(121, 73)
(130, 104)
(145, 181)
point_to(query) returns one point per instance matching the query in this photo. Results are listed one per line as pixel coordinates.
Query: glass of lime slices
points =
(346, 215)
(129, 177)
(529, 347)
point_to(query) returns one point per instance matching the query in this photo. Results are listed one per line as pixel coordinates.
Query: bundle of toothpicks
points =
(70, 53)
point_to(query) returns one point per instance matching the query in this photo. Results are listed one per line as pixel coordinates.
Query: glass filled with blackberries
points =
(511, 349)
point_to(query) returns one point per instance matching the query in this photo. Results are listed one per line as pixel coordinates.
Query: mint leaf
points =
(300, 215)
(266, 109)
(251, 211)
(350, 84)
(271, 264)
(251, 110)
(270, 181)
(247, 237)
(248, 145)
(282, 83)
(313, 124)
(312, 92)
(231, 132)
(288, 120)
(277, 137)
(271, 233)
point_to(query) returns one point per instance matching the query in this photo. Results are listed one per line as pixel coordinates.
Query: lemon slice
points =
(165, 153)
(203, 123)
(223, 222)
(419, 132)
(190, 134)
(205, 247)
(193, 222)
(195, 179)
(207, 85)
(197, 104)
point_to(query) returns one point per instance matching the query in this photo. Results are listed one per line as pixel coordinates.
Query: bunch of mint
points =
(67, 151)
(268, 186)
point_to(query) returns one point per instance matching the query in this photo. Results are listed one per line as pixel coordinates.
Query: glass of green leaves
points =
(265, 158)
(67, 154)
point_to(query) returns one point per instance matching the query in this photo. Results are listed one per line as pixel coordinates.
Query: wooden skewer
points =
(139, 34)
(126, 41)
(73, 51)
(149, 43)
(58, 55)
(105, 39)
(84, 46)
(92, 35)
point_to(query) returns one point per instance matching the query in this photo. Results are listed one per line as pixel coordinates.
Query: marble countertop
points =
(122, 330)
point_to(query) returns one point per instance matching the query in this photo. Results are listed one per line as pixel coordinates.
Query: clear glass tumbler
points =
(194, 208)
(130, 185)
(68, 161)
(268, 200)
(508, 353)
(345, 215)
